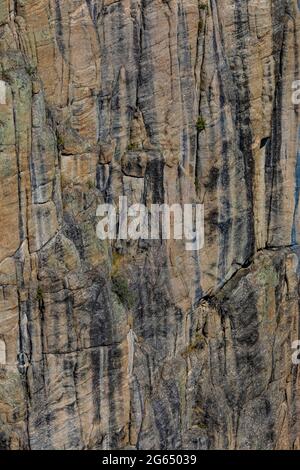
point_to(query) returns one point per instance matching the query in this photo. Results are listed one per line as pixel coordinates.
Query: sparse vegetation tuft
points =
(200, 124)
(203, 6)
(39, 294)
(132, 147)
(30, 69)
(60, 142)
(121, 289)
(90, 184)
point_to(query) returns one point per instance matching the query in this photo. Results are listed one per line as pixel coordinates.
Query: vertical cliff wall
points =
(143, 344)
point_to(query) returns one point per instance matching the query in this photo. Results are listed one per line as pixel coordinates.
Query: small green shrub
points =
(121, 289)
(200, 124)
(60, 142)
(90, 184)
(40, 300)
(30, 69)
(132, 146)
(39, 294)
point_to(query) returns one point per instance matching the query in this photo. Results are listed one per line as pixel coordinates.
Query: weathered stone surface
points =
(144, 344)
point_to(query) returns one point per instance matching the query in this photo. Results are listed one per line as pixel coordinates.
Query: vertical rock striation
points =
(142, 344)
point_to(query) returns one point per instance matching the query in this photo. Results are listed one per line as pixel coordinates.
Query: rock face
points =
(142, 344)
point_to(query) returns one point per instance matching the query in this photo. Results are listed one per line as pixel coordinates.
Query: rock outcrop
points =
(143, 344)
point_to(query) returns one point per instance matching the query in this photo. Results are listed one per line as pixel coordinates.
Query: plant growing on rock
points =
(30, 69)
(203, 6)
(121, 289)
(132, 147)
(200, 124)
(40, 299)
(90, 184)
(39, 294)
(60, 142)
